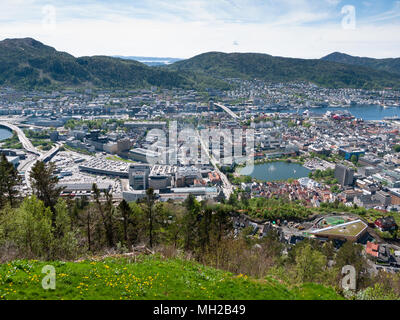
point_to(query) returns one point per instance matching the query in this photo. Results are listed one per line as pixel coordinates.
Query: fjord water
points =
(5, 134)
(365, 112)
(275, 171)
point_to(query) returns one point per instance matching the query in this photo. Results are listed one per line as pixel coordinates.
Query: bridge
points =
(28, 146)
(51, 153)
(227, 110)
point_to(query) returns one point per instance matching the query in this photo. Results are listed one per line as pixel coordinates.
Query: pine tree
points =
(126, 212)
(107, 213)
(204, 229)
(191, 222)
(45, 185)
(9, 180)
(222, 221)
(150, 200)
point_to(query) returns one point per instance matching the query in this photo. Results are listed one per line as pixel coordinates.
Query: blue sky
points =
(184, 28)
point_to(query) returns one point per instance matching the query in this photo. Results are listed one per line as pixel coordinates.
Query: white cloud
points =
(301, 28)
(389, 15)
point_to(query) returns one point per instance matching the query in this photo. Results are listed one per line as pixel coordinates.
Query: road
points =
(43, 157)
(227, 186)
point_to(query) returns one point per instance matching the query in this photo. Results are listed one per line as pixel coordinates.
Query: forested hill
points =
(28, 63)
(267, 67)
(390, 65)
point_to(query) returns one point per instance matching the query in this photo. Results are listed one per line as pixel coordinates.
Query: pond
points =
(275, 171)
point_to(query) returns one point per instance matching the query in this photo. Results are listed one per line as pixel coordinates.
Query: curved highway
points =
(28, 146)
(43, 157)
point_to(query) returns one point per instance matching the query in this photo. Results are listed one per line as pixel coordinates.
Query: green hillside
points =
(28, 63)
(390, 65)
(266, 67)
(149, 278)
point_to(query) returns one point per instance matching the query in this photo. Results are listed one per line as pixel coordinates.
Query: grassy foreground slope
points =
(148, 278)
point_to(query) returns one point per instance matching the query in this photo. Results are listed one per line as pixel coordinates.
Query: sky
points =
(185, 28)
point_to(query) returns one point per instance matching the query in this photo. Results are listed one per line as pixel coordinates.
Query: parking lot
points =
(68, 162)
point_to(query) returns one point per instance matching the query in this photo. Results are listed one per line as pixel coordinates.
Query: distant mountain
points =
(151, 61)
(390, 65)
(267, 67)
(28, 63)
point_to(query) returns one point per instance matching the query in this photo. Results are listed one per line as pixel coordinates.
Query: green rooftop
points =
(349, 229)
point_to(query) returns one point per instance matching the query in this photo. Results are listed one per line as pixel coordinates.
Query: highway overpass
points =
(43, 157)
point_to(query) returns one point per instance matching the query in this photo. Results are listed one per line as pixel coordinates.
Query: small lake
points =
(365, 112)
(275, 171)
(5, 134)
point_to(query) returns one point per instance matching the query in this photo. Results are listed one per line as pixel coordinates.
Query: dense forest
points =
(27, 63)
(278, 69)
(390, 64)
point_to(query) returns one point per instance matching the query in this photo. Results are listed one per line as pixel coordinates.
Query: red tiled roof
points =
(372, 249)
